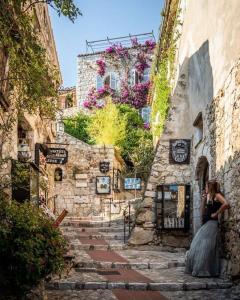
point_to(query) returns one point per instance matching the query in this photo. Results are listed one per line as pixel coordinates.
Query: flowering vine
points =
(101, 67)
(137, 57)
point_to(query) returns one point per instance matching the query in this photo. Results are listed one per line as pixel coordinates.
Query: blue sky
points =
(101, 19)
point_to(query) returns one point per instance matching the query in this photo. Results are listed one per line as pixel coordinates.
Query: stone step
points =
(70, 236)
(87, 247)
(150, 286)
(91, 224)
(93, 266)
(91, 229)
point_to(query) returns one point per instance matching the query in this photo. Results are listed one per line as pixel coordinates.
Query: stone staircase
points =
(103, 263)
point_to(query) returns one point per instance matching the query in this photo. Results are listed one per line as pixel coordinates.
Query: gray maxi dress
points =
(202, 259)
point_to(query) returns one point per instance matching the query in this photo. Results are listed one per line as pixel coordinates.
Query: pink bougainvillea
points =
(146, 126)
(101, 67)
(94, 95)
(150, 44)
(140, 59)
(134, 42)
(135, 96)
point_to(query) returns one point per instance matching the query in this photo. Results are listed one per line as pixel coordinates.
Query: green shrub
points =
(30, 249)
(77, 127)
(107, 126)
(137, 147)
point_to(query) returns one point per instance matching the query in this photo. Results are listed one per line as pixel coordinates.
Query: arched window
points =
(58, 174)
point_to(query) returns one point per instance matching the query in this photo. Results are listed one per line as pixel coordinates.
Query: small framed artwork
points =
(103, 184)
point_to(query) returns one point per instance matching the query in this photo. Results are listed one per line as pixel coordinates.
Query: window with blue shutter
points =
(99, 82)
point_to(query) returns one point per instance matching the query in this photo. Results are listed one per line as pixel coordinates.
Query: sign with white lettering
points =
(57, 156)
(132, 183)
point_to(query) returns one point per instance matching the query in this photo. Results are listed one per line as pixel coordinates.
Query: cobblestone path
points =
(105, 268)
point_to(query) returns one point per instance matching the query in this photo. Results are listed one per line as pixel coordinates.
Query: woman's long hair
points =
(213, 188)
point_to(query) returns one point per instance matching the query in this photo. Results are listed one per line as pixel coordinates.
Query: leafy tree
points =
(77, 127)
(28, 80)
(119, 125)
(107, 126)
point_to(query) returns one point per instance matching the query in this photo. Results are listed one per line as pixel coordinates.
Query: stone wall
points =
(162, 172)
(207, 86)
(223, 143)
(77, 190)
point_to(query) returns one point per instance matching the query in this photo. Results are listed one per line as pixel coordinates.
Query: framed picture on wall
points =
(103, 184)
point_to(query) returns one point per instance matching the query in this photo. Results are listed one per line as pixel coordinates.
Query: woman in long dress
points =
(202, 260)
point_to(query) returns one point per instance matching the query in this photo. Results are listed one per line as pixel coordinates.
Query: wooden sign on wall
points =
(57, 156)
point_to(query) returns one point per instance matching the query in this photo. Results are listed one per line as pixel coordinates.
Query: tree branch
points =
(34, 3)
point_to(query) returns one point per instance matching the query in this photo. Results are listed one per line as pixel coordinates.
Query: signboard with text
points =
(132, 183)
(57, 156)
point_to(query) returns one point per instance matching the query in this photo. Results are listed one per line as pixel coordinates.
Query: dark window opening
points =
(198, 129)
(58, 174)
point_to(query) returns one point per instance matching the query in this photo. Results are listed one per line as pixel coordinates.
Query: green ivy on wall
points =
(160, 103)
(161, 87)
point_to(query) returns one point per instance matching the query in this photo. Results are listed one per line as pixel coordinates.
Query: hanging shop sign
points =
(179, 151)
(104, 166)
(57, 156)
(132, 183)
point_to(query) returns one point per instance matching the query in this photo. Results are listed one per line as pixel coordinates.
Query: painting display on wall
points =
(172, 206)
(103, 185)
(132, 183)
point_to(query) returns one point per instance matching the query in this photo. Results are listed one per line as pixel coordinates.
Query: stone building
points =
(90, 182)
(202, 123)
(67, 98)
(31, 133)
(88, 77)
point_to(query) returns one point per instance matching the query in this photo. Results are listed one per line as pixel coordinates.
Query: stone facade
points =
(87, 75)
(77, 191)
(204, 107)
(67, 98)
